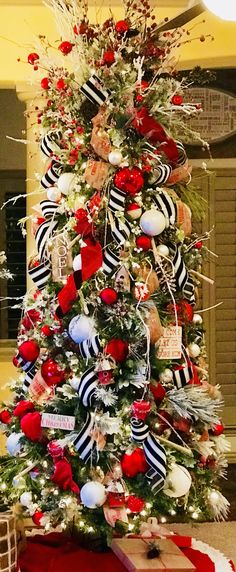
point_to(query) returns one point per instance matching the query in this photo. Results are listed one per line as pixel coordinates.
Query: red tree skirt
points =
(54, 553)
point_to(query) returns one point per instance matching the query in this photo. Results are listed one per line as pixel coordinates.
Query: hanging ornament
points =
(122, 280)
(133, 463)
(194, 350)
(162, 250)
(77, 263)
(197, 319)
(65, 47)
(198, 245)
(141, 292)
(29, 350)
(158, 392)
(22, 408)
(144, 242)
(5, 417)
(135, 504)
(66, 183)
(37, 516)
(55, 450)
(13, 444)
(118, 349)
(109, 296)
(134, 211)
(115, 499)
(93, 494)
(217, 430)
(164, 422)
(178, 481)
(33, 58)
(26, 498)
(105, 377)
(166, 376)
(81, 328)
(31, 426)
(129, 180)
(104, 368)
(115, 157)
(177, 99)
(52, 372)
(152, 222)
(53, 194)
(140, 409)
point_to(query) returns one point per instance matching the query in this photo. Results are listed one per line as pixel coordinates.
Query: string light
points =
(172, 512)
(195, 515)
(56, 492)
(143, 512)
(90, 529)
(148, 505)
(42, 481)
(3, 486)
(131, 526)
(81, 523)
(163, 519)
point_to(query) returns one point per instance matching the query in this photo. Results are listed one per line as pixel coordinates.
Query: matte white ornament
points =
(178, 481)
(81, 328)
(115, 157)
(163, 250)
(13, 444)
(26, 498)
(74, 382)
(194, 350)
(53, 194)
(93, 494)
(197, 319)
(77, 262)
(134, 214)
(166, 376)
(66, 183)
(152, 222)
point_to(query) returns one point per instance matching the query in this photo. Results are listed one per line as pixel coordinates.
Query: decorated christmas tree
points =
(113, 419)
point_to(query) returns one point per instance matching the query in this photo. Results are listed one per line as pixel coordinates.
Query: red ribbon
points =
(147, 126)
(62, 476)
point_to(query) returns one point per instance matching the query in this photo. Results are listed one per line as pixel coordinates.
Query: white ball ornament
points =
(81, 328)
(197, 319)
(53, 194)
(163, 250)
(77, 263)
(178, 482)
(115, 157)
(13, 444)
(166, 376)
(26, 498)
(152, 222)
(66, 183)
(74, 382)
(93, 494)
(194, 350)
(134, 211)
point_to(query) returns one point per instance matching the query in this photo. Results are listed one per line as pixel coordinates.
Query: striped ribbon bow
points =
(165, 204)
(184, 374)
(41, 273)
(49, 143)
(84, 442)
(154, 453)
(94, 91)
(183, 280)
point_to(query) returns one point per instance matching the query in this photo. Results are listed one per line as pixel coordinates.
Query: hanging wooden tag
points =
(170, 344)
(61, 257)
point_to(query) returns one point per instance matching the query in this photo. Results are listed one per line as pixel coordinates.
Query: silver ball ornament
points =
(13, 444)
(166, 376)
(93, 494)
(115, 157)
(74, 382)
(152, 222)
(178, 481)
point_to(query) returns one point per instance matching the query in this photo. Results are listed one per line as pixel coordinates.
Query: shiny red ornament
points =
(45, 83)
(31, 317)
(217, 430)
(36, 518)
(31, 426)
(134, 463)
(108, 58)
(198, 244)
(105, 377)
(129, 180)
(47, 331)
(135, 504)
(32, 58)
(122, 27)
(5, 417)
(22, 408)
(183, 425)
(140, 409)
(83, 226)
(158, 392)
(29, 350)
(61, 85)
(144, 242)
(115, 499)
(118, 349)
(139, 98)
(65, 47)
(109, 296)
(177, 99)
(55, 450)
(52, 372)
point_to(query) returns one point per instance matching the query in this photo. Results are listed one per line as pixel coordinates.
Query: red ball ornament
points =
(30, 319)
(158, 392)
(32, 58)
(198, 244)
(134, 463)
(217, 430)
(83, 225)
(61, 85)
(45, 83)
(109, 296)
(22, 408)
(122, 27)
(135, 504)
(108, 58)
(177, 99)
(129, 180)
(29, 350)
(52, 372)
(183, 425)
(115, 499)
(163, 422)
(5, 417)
(55, 450)
(105, 377)
(118, 349)
(65, 48)
(31, 426)
(144, 242)
(47, 331)
(36, 518)
(139, 98)
(140, 409)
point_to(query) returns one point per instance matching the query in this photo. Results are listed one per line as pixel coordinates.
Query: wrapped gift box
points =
(133, 554)
(8, 543)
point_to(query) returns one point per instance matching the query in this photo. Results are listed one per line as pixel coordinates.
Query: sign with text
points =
(170, 344)
(54, 421)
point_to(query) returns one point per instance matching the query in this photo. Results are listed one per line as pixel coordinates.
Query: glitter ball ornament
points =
(144, 242)
(166, 376)
(66, 183)
(53, 194)
(33, 58)
(81, 328)
(135, 504)
(217, 430)
(194, 350)
(77, 262)
(152, 222)
(13, 444)
(115, 157)
(52, 372)
(162, 250)
(178, 481)
(93, 494)
(109, 296)
(129, 180)
(29, 350)
(134, 211)
(118, 349)
(65, 48)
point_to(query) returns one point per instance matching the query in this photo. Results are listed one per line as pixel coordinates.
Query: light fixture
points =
(225, 9)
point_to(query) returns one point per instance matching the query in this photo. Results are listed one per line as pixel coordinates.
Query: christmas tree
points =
(113, 419)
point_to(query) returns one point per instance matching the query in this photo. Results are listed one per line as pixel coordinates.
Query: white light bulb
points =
(163, 519)
(225, 9)
(195, 515)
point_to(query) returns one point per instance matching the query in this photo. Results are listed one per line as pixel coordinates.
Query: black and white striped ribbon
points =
(93, 89)
(161, 174)
(154, 453)
(165, 204)
(84, 443)
(43, 235)
(87, 386)
(48, 208)
(25, 365)
(182, 153)
(49, 143)
(183, 280)
(117, 200)
(182, 376)
(110, 261)
(29, 377)
(52, 175)
(120, 231)
(40, 274)
(90, 348)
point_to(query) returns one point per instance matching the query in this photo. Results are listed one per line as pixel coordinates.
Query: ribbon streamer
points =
(84, 443)
(183, 280)
(166, 206)
(90, 348)
(182, 153)
(48, 208)
(43, 235)
(87, 386)
(161, 174)
(120, 231)
(93, 89)
(117, 200)
(49, 143)
(154, 453)
(182, 376)
(52, 175)
(29, 368)
(110, 261)
(29, 377)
